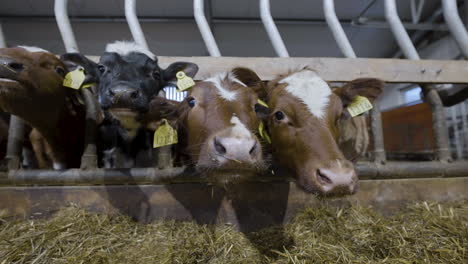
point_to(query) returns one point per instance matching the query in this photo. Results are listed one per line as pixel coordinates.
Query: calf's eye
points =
(101, 68)
(279, 115)
(60, 70)
(156, 75)
(191, 102)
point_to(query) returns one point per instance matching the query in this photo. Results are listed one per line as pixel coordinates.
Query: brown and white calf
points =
(218, 125)
(31, 88)
(305, 126)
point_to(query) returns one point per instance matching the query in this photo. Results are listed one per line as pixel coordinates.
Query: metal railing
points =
(378, 168)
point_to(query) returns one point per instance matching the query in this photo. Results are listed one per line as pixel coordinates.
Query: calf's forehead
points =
(27, 55)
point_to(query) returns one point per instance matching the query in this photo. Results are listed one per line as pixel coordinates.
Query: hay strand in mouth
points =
(423, 233)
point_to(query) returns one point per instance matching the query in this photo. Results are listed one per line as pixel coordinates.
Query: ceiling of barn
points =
(170, 29)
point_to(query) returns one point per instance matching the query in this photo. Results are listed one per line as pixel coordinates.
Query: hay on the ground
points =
(423, 233)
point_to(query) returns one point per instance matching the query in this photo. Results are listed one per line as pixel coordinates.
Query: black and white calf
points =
(129, 77)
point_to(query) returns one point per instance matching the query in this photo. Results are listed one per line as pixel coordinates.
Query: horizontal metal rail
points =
(365, 170)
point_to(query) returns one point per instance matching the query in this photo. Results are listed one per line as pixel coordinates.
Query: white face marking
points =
(6, 80)
(125, 47)
(239, 130)
(312, 90)
(225, 93)
(33, 49)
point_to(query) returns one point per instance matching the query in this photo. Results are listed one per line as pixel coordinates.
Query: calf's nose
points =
(123, 95)
(11, 64)
(337, 180)
(237, 149)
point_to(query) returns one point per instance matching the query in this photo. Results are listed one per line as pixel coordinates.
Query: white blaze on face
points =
(239, 130)
(33, 49)
(312, 90)
(218, 81)
(125, 47)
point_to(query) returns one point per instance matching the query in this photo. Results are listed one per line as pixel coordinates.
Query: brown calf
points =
(218, 125)
(305, 125)
(31, 88)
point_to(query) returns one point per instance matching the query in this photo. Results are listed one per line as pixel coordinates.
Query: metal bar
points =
(365, 170)
(336, 29)
(455, 25)
(89, 157)
(364, 23)
(456, 138)
(431, 95)
(16, 133)
(63, 23)
(2, 38)
(133, 24)
(379, 155)
(207, 35)
(272, 30)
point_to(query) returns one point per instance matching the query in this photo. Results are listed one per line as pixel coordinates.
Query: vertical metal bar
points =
(431, 95)
(455, 25)
(272, 30)
(2, 38)
(133, 24)
(207, 35)
(464, 129)
(456, 137)
(164, 154)
(346, 48)
(63, 23)
(336, 29)
(16, 133)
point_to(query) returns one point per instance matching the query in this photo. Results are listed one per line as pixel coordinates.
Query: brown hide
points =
(31, 88)
(306, 141)
(218, 125)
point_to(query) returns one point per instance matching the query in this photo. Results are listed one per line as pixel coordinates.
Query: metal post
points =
(134, 24)
(346, 48)
(16, 135)
(431, 96)
(89, 157)
(63, 23)
(272, 30)
(2, 38)
(207, 35)
(455, 25)
(336, 29)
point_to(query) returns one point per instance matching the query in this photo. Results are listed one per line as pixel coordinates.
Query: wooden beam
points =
(248, 206)
(337, 69)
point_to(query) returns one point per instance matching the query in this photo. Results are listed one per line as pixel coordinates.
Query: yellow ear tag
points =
(263, 134)
(262, 103)
(74, 79)
(359, 105)
(164, 135)
(184, 82)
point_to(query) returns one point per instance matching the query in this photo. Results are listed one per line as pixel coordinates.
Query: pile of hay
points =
(423, 233)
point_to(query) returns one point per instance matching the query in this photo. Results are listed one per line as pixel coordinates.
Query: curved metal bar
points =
(336, 29)
(430, 94)
(399, 31)
(63, 23)
(272, 30)
(207, 35)
(455, 25)
(133, 24)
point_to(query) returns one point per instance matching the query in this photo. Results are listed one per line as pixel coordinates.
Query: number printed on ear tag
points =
(164, 135)
(359, 105)
(74, 79)
(263, 134)
(184, 82)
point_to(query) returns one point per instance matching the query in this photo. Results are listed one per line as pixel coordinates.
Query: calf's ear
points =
(161, 108)
(73, 61)
(367, 87)
(170, 72)
(251, 79)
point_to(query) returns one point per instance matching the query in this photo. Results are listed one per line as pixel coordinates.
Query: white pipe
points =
(399, 31)
(63, 23)
(207, 35)
(2, 38)
(133, 24)
(271, 29)
(336, 29)
(455, 25)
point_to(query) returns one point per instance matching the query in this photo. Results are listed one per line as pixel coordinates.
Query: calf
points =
(129, 77)
(31, 88)
(218, 125)
(305, 125)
